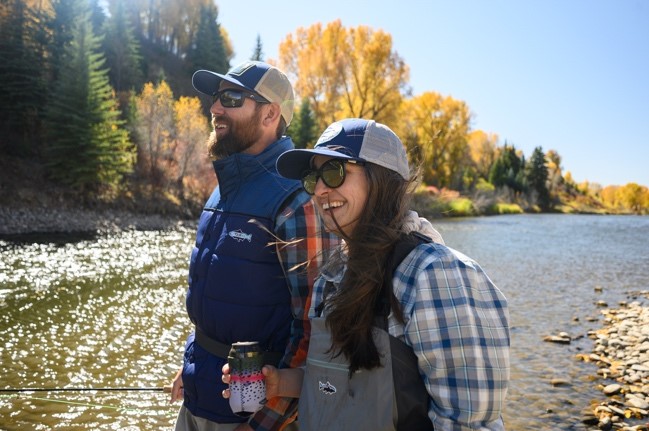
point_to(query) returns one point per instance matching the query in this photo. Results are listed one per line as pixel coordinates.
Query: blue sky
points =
(568, 75)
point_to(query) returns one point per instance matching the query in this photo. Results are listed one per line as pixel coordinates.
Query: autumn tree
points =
(483, 148)
(345, 72)
(87, 147)
(556, 181)
(189, 153)
(155, 131)
(438, 127)
(608, 196)
(634, 197)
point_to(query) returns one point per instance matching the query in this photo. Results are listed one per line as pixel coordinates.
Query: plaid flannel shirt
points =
(306, 241)
(457, 323)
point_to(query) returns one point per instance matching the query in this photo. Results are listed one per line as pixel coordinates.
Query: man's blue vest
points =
(237, 289)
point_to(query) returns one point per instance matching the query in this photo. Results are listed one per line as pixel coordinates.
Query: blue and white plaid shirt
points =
(457, 323)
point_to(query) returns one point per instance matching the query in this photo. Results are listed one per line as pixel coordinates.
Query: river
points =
(108, 312)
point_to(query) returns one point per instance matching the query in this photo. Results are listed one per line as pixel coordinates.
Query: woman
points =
(450, 320)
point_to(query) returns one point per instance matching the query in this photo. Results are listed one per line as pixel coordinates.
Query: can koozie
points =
(247, 385)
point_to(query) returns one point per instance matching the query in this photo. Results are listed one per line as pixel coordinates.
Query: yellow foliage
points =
(155, 126)
(192, 129)
(634, 197)
(345, 72)
(437, 128)
(483, 150)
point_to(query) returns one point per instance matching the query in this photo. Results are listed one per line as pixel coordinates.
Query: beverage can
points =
(247, 385)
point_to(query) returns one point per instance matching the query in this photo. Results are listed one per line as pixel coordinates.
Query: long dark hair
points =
(352, 310)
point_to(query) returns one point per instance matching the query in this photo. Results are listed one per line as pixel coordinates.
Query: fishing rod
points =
(166, 389)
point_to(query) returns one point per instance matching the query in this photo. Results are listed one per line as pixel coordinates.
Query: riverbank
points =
(47, 220)
(621, 353)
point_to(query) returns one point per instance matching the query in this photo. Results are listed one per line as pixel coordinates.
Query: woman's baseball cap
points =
(353, 139)
(255, 76)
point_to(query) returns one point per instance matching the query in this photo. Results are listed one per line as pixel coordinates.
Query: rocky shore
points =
(19, 221)
(621, 353)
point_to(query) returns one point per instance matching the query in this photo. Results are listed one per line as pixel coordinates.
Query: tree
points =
(556, 182)
(345, 72)
(155, 131)
(208, 49)
(303, 127)
(62, 27)
(192, 128)
(507, 170)
(634, 197)
(23, 73)
(258, 53)
(438, 126)
(122, 50)
(537, 178)
(87, 147)
(483, 150)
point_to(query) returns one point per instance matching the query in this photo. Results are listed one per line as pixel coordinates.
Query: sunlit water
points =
(108, 312)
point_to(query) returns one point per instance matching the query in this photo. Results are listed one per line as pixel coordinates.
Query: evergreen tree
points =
(537, 178)
(208, 49)
(122, 51)
(97, 17)
(23, 92)
(61, 26)
(87, 146)
(303, 127)
(507, 170)
(258, 53)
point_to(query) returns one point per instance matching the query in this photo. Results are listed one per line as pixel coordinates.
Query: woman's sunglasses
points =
(232, 98)
(332, 173)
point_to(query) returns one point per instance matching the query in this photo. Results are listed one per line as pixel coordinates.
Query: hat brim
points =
(293, 163)
(208, 82)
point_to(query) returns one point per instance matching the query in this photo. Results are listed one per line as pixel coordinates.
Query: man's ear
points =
(272, 114)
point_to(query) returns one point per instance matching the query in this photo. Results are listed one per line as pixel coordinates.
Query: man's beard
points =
(241, 136)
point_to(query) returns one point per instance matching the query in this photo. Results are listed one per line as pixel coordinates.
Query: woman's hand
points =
(286, 382)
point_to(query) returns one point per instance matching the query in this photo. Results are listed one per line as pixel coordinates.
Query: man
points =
(258, 248)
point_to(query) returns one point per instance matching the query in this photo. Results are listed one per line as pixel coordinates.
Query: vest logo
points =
(327, 388)
(239, 236)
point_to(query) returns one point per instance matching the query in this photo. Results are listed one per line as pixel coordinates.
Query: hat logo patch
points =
(330, 133)
(241, 69)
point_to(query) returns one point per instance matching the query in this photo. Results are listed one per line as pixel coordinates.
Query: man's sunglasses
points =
(232, 98)
(332, 173)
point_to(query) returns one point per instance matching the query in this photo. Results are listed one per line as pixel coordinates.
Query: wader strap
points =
(222, 350)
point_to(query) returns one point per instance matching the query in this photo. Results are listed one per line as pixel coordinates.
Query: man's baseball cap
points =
(255, 76)
(352, 139)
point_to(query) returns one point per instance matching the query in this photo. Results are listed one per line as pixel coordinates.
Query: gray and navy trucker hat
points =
(256, 76)
(355, 139)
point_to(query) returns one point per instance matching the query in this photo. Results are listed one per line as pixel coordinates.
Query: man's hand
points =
(177, 387)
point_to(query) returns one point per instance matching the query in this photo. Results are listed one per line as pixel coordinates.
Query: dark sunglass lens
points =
(231, 99)
(333, 173)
